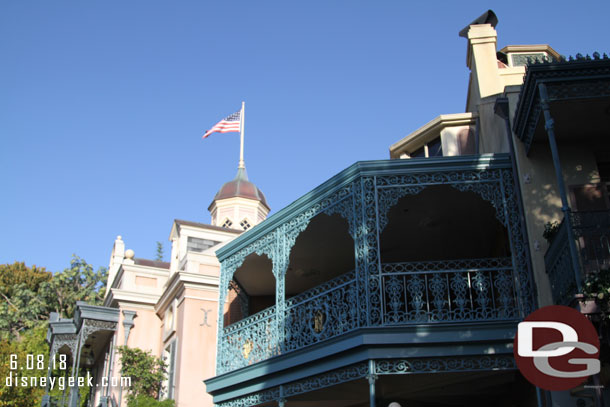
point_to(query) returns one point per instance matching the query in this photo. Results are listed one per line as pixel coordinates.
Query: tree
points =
(31, 344)
(77, 283)
(160, 253)
(22, 304)
(29, 294)
(146, 372)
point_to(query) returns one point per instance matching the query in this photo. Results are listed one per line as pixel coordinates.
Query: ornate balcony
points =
(424, 252)
(591, 232)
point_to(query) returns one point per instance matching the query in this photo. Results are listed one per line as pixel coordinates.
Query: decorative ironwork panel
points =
(321, 313)
(248, 341)
(359, 256)
(368, 267)
(345, 208)
(332, 378)
(581, 90)
(447, 291)
(92, 325)
(519, 251)
(339, 202)
(448, 364)
(388, 197)
(253, 399)
(61, 340)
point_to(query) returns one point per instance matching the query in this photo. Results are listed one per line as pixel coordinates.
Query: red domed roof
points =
(241, 187)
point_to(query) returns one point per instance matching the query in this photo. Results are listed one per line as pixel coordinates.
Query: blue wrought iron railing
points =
(413, 293)
(447, 291)
(558, 265)
(250, 340)
(323, 312)
(591, 231)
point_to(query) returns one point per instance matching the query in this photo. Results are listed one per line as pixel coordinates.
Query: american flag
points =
(226, 125)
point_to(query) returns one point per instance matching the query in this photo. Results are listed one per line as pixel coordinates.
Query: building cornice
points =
(181, 280)
(117, 294)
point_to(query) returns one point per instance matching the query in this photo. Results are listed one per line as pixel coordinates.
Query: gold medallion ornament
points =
(318, 321)
(247, 348)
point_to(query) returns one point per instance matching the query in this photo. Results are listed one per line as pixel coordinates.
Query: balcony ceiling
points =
(580, 120)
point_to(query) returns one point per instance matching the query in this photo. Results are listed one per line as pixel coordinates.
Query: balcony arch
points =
(442, 223)
(251, 289)
(322, 252)
(445, 256)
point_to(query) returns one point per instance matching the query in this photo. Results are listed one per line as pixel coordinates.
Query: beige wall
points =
(196, 358)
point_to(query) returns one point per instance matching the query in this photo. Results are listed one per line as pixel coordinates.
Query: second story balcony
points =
(384, 245)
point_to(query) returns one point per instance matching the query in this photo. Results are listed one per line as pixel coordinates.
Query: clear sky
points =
(103, 103)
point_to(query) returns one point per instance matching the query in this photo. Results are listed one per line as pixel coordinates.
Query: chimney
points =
(481, 56)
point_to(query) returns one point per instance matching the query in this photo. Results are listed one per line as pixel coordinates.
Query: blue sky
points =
(103, 103)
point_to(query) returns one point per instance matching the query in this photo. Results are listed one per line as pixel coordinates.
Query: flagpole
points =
(241, 138)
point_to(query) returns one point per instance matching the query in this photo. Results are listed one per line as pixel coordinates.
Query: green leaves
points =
(160, 254)
(77, 283)
(29, 294)
(146, 372)
(32, 342)
(21, 305)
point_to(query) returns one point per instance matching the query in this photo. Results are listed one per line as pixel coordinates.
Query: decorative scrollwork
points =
(317, 315)
(332, 378)
(92, 325)
(253, 339)
(449, 364)
(388, 197)
(253, 399)
(61, 340)
(453, 290)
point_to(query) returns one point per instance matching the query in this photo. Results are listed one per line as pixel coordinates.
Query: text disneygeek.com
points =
(61, 383)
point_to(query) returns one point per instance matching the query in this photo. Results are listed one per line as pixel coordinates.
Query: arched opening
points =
(442, 223)
(445, 256)
(320, 283)
(251, 290)
(322, 252)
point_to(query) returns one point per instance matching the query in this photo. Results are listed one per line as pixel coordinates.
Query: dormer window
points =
(527, 58)
(433, 148)
(245, 224)
(227, 224)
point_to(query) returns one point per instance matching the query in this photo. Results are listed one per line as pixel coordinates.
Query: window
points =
(227, 224)
(420, 152)
(195, 244)
(245, 225)
(168, 321)
(168, 385)
(526, 58)
(433, 148)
